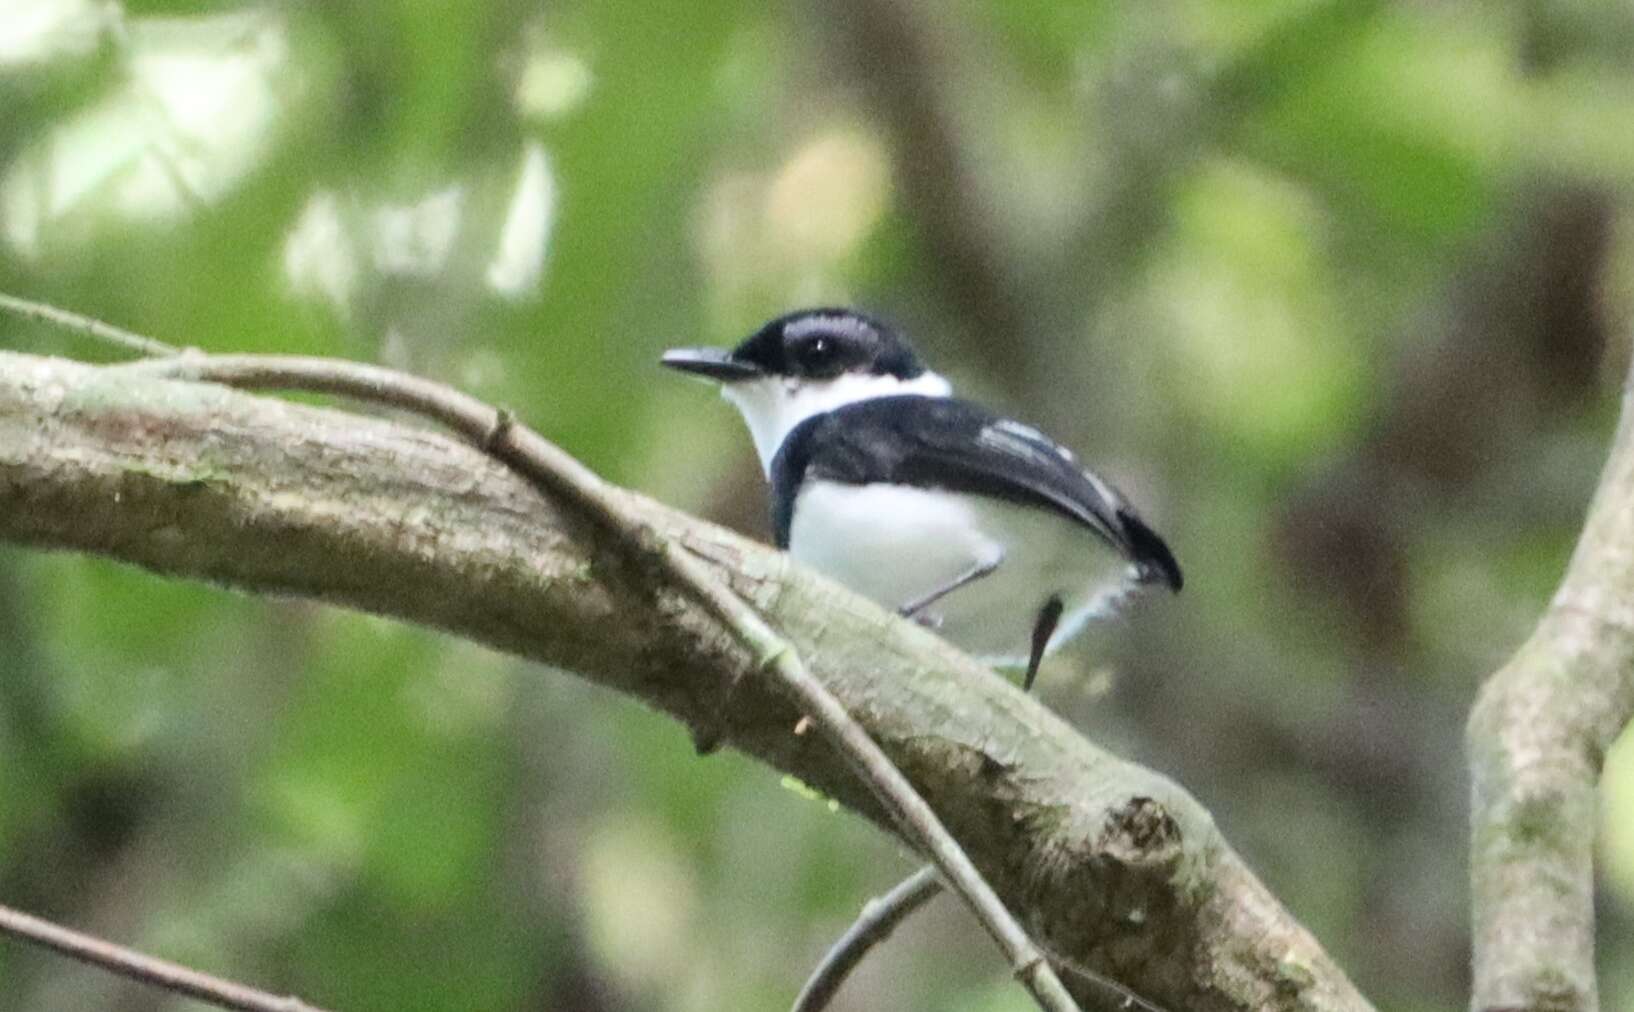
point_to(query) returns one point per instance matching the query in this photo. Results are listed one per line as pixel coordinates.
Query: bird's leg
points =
(1043, 629)
(974, 573)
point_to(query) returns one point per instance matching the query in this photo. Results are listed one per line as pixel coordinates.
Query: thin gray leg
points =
(974, 573)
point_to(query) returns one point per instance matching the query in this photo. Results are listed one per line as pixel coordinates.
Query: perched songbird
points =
(979, 526)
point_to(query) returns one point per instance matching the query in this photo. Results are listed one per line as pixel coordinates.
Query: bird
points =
(976, 525)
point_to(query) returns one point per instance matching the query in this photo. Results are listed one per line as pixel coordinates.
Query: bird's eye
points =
(818, 353)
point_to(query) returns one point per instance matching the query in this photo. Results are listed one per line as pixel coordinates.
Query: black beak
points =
(714, 363)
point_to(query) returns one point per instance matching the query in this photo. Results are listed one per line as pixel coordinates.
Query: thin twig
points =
(123, 339)
(546, 465)
(146, 969)
(880, 916)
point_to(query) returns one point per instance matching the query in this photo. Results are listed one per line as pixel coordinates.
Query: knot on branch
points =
(1140, 832)
(499, 433)
(1122, 876)
(1132, 863)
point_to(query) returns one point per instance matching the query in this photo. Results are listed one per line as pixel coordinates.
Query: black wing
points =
(942, 442)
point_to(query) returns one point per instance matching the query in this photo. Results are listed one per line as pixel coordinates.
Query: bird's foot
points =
(926, 619)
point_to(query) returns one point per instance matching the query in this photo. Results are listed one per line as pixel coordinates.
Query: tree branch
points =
(107, 333)
(554, 472)
(145, 969)
(1116, 868)
(880, 916)
(1537, 739)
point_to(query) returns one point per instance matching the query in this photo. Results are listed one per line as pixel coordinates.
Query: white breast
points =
(896, 544)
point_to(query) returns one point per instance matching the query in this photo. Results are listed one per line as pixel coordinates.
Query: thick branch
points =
(566, 480)
(1118, 868)
(1537, 739)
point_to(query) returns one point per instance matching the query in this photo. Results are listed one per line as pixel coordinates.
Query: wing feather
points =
(943, 442)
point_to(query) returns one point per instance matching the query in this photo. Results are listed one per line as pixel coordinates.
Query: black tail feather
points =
(1151, 554)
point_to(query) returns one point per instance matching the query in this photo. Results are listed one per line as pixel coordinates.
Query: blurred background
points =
(1339, 292)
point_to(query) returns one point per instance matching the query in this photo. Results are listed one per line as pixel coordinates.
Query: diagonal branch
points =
(1537, 739)
(146, 969)
(107, 333)
(1117, 869)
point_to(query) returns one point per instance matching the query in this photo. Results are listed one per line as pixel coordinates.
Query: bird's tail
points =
(1153, 561)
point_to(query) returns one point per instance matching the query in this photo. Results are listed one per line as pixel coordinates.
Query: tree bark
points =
(1537, 740)
(1114, 867)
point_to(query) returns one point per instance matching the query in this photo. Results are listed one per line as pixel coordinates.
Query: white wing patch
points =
(1014, 439)
(1024, 440)
(1103, 489)
(1018, 429)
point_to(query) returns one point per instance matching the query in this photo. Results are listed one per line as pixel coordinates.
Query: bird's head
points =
(805, 363)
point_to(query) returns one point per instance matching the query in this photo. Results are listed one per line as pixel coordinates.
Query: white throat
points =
(774, 405)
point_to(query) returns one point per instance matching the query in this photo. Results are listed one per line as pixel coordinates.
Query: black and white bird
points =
(980, 526)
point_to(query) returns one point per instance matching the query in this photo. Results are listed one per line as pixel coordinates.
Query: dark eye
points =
(818, 354)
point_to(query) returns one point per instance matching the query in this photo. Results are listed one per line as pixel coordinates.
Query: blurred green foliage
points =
(1337, 291)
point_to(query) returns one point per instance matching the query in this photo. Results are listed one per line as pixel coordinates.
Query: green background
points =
(1338, 292)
